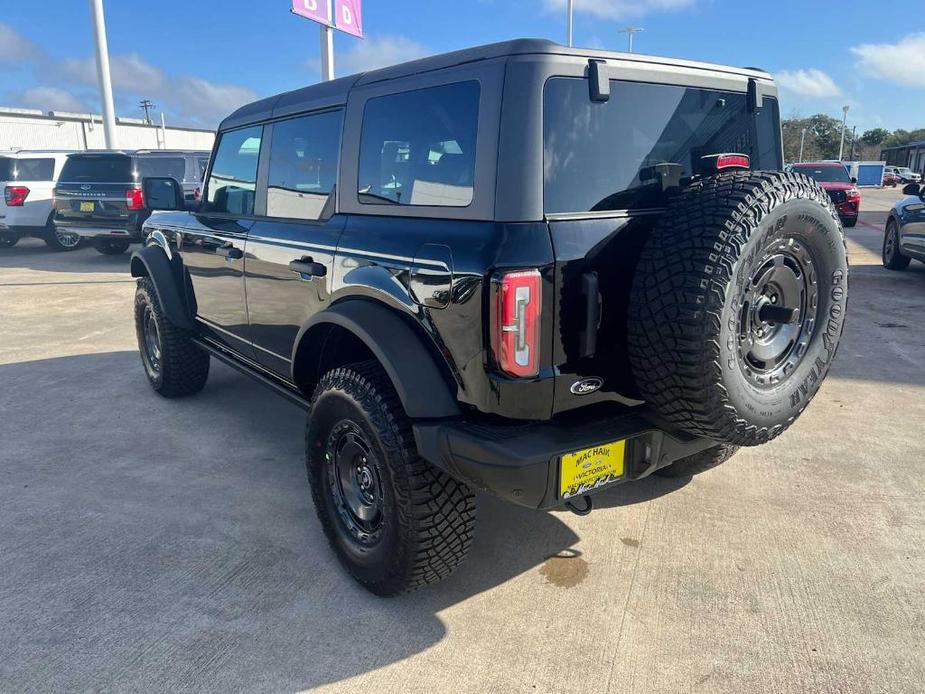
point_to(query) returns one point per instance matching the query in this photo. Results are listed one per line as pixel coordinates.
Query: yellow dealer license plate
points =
(582, 471)
(87, 206)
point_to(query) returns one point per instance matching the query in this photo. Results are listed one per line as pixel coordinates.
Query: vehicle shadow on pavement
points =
(160, 544)
(33, 254)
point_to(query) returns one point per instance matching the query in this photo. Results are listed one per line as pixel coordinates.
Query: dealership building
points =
(911, 155)
(23, 128)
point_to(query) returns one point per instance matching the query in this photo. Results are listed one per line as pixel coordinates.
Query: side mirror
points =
(854, 180)
(912, 189)
(164, 194)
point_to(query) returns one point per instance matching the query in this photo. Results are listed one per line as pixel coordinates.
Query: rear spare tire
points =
(738, 305)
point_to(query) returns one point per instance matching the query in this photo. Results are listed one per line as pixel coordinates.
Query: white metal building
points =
(22, 128)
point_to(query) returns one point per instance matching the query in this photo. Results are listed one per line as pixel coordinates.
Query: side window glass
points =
(303, 165)
(418, 148)
(232, 184)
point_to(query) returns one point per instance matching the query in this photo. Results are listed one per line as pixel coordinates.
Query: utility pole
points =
(327, 48)
(629, 31)
(147, 106)
(854, 138)
(844, 124)
(802, 140)
(571, 8)
(102, 71)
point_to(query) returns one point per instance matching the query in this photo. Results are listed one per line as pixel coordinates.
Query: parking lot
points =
(149, 544)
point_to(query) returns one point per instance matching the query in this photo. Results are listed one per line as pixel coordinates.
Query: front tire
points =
(111, 247)
(849, 222)
(395, 522)
(892, 256)
(9, 240)
(174, 364)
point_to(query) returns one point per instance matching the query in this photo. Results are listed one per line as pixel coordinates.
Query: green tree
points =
(875, 136)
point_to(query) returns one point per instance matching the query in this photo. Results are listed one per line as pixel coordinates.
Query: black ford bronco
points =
(525, 269)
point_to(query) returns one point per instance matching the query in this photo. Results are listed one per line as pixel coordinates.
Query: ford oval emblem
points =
(586, 386)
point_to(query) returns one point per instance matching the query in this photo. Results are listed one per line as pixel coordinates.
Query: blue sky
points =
(199, 60)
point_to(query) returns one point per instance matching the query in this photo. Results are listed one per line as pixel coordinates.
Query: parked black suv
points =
(526, 269)
(98, 196)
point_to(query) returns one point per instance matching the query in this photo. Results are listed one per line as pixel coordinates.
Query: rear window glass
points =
(418, 148)
(171, 167)
(599, 156)
(38, 169)
(92, 169)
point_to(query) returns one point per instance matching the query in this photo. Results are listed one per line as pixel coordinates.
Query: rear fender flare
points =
(423, 387)
(152, 261)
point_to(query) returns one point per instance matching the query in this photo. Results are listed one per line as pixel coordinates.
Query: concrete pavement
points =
(155, 545)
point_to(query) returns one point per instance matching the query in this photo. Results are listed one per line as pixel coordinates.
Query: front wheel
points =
(174, 364)
(892, 256)
(9, 240)
(111, 247)
(395, 522)
(849, 222)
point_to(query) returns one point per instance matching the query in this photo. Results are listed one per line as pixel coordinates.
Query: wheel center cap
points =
(365, 478)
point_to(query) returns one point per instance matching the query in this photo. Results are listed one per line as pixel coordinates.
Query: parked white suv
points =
(27, 178)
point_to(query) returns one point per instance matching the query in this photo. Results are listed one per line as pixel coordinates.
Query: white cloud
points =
(205, 102)
(812, 82)
(129, 72)
(15, 48)
(377, 52)
(902, 62)
(50, 99)
(619, 9)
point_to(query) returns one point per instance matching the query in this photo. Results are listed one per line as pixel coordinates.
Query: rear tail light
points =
(15, 196)
(713, 163)
(516, 323)
(134, 199)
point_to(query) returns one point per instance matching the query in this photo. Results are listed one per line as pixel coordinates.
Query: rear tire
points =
(395, 522)
(111, 247)
(892, 256)
(174, 364)
(699, 462)
(850, 222)
(9, 240)
(60, 241)
(708, 346)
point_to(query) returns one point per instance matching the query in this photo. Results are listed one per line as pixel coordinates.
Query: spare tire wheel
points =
(738, 304)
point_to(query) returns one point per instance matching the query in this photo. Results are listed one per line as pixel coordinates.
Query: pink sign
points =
(318, 10)
(348, 16)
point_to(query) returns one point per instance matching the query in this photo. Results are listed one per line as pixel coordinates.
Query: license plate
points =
(588, 469)
(87, 206)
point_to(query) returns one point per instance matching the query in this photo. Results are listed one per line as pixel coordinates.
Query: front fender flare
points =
(422, 387)
(152, 262)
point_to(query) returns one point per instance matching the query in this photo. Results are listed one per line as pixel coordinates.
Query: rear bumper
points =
(520, 462)
(116, 233)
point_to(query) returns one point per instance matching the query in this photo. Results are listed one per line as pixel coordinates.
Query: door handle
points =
(229, 252)
(306, 267)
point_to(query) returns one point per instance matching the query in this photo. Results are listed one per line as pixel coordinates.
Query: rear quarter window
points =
(97, 169)
(37, 169)
(418, 147)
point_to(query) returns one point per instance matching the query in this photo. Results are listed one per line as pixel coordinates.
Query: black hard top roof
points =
(335, 92)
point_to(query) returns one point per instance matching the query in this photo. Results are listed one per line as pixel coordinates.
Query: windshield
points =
(600, 156)
(825, 174)
(904, 170)
(98, 169)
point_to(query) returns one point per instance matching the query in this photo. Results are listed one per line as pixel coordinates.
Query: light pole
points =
(571, 8)
(102, 72)
(629, 31)
(844, 123)
(327, 48)
(802, 140)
